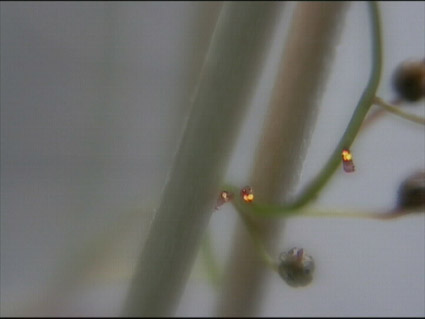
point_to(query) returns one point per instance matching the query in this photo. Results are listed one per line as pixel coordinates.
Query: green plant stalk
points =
(346, 141)
(363, 106)
(304, 67)
(332, 213)
(399, 112)
(227, 80)
(355, 123)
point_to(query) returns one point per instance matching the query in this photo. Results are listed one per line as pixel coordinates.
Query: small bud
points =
(409, 80)
(223, 198)
(247, 194)
(296, 267)
(411, 193)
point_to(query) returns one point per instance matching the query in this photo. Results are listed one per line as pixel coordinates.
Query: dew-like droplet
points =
(247, 194)
(223, 198)
(347, 161)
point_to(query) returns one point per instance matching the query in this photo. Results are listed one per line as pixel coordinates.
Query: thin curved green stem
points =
(362, 108)
(367, 99)
(397, 111)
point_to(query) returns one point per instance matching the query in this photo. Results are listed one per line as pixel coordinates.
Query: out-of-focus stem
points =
(210, 261)
(288, 124)
(228, 77)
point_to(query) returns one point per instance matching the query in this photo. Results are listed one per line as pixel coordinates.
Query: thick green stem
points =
(228, 77)
(210, 261)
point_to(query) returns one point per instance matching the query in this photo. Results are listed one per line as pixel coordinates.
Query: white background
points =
(90, 116)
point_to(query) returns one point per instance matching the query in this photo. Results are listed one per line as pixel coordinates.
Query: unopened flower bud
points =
(411, 193)
(296, 267)
(409, 80)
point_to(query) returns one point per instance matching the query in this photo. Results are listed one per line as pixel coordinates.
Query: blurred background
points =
(94, 97)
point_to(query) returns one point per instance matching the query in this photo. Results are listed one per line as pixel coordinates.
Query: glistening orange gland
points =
(247, 194)
(347, 161)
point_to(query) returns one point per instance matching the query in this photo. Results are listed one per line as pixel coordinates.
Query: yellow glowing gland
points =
(346, 156)
(248, 197)
(347, 161)
(247, 194)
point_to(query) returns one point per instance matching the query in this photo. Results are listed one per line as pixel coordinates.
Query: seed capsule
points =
(347, 161)
(409, 80)
(296, 267)
(247, 194)
(411, 193)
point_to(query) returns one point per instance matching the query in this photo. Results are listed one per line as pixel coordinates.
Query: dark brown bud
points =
(411, 193)
(409, 80)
